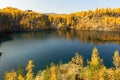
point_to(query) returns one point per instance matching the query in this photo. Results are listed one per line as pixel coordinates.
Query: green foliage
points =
(47, 74)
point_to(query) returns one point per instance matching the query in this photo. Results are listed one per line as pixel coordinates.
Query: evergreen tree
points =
(53, 73)
(116, 60)
(47, 74)
(95, 59)
(77, 60)
(29, 69)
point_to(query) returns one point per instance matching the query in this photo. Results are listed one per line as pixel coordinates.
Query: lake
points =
(49, 47)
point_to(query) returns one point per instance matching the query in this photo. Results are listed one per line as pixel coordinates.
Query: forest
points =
(104, 19)
(73, 70)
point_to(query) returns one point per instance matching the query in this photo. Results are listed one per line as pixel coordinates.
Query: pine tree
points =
(47, 74)
(95, 59)
(53, 72)
(29, 69)
(12, 75)
(20, 73)
(95, 65)
(116, 60)
(77, 60)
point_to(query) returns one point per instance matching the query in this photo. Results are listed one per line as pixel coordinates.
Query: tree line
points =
(73, 70)
(13, 19)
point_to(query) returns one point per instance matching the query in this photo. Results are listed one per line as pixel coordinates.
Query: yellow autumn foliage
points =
(74, 70)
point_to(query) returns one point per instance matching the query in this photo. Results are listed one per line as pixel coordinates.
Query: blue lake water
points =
(54, 46)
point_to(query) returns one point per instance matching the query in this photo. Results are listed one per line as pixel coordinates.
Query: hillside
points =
(13, 19)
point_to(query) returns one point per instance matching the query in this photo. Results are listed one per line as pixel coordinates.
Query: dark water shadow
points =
(5, 36)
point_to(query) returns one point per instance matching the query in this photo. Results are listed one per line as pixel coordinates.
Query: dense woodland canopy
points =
(13, 19)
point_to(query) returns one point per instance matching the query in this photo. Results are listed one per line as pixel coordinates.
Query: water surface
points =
(54, 46)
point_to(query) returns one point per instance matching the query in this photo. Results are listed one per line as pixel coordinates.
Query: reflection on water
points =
(95, 37)
(54, 46)
(5, 36)
(0, 54)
